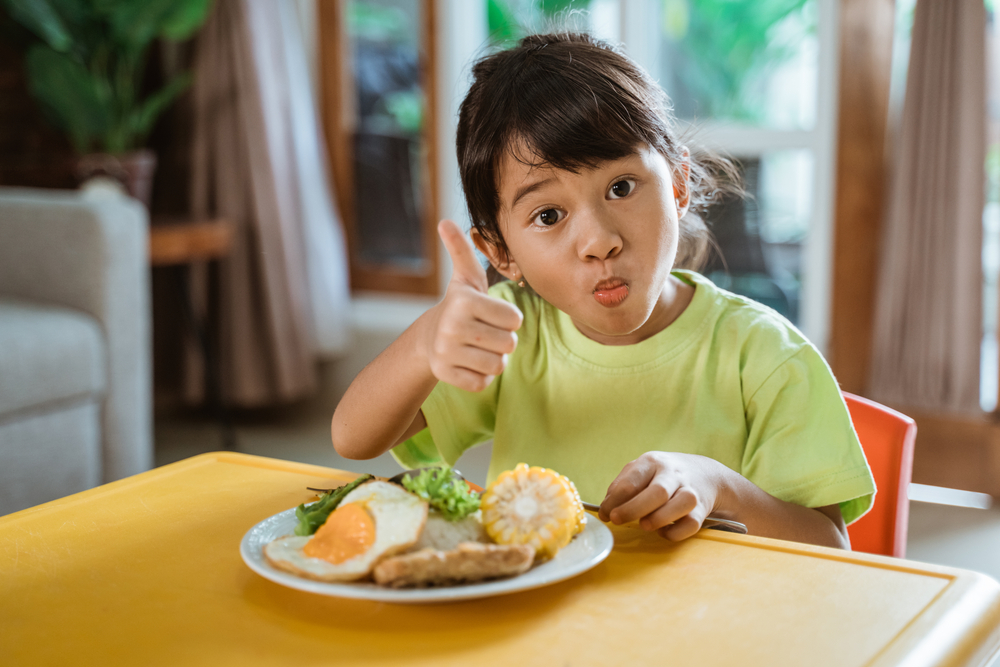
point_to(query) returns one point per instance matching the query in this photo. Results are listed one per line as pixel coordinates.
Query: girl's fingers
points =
(632, 480)
(683, 503)
(465, 267)
(465, 379)
(479, 361)
(656, 495)
(681, 529)
(497, 313)
(491, 339)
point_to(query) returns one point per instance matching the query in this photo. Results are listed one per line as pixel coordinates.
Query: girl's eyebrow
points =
(526, 190)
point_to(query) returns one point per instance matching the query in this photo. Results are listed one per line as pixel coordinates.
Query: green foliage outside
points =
(378, 22)
(719, 50)
(373, 22)
(510, 20)
(87, 61)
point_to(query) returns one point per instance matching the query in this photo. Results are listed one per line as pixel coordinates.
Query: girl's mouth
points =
(611, 292)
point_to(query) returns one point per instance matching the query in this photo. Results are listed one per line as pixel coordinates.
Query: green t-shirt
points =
(729, 379)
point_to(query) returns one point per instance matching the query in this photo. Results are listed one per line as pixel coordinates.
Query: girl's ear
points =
(682, 183)
(505, 266)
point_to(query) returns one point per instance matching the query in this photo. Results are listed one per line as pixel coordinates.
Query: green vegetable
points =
(448, 494)
(313, 516)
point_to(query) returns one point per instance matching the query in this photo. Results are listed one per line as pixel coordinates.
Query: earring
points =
(520, 283)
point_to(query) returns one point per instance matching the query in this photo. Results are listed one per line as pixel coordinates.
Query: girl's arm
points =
(673, 493)
(382, 406)
(464, 340)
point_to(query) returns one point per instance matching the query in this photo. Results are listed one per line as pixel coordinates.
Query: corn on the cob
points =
(534, 506)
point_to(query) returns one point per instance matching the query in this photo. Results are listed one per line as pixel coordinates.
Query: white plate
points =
(586, 550)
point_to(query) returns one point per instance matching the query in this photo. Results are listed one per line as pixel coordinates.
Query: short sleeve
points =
(801, 444)
(456, 420)
(417, 452)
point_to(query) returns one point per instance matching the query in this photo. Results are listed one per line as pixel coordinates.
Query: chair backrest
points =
(887, 437)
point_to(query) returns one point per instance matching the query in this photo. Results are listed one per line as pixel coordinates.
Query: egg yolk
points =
(348, 532)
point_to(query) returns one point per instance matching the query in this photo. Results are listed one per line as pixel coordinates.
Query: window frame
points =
(339, 119)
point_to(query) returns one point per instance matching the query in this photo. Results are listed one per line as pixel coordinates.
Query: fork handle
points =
(717, 523)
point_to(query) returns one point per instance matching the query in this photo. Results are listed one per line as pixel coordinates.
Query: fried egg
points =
(375, 520)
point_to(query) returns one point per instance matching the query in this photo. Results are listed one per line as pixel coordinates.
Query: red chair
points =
(887, 437)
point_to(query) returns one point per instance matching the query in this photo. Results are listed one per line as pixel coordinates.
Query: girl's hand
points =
(668, 492)
(469, 334)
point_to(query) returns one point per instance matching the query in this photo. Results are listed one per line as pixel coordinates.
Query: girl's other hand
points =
(668, 492)
(470, 334)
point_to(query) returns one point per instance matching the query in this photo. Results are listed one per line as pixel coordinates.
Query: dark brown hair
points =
(571, 101)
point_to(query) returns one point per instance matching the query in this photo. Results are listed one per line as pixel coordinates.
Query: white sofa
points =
(75, 368)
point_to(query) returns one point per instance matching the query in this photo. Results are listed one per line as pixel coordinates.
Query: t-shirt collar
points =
(652, 351)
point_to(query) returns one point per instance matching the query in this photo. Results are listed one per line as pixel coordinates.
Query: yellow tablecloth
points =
(147, 571)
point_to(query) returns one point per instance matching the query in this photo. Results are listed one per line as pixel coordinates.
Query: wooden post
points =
(866, 33)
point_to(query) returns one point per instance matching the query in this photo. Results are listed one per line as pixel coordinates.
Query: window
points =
(752, 80)
(378, 64)
(746, 78)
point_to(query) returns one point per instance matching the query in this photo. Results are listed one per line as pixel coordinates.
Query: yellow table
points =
(146, 571)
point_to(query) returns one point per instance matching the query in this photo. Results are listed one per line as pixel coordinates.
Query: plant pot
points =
(133, 170)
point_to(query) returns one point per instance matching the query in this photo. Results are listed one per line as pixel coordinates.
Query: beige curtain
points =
(256, 162)
(928, 322)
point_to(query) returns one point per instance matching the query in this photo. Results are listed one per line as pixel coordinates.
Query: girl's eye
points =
(621, 189)
(549, 217)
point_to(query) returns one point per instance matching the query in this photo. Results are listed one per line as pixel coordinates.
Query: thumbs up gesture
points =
(471, 333)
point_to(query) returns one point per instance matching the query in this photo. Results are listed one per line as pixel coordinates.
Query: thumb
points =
(467, 269)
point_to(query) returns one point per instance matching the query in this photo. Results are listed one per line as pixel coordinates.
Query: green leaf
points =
(187, 17)
(136, 23)
(76, 15)
(142, 118)
(41, 18)
(77, 101)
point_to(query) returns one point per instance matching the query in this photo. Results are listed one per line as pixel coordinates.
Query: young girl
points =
(664, 398)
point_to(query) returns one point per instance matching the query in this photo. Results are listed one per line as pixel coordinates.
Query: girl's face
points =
(599, 244)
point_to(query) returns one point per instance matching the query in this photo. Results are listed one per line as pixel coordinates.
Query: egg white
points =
(399, 517)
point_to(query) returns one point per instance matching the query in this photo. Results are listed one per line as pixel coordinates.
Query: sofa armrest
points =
(88, 251)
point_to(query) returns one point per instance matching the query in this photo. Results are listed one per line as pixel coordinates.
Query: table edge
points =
(961, 626)
(170, 469)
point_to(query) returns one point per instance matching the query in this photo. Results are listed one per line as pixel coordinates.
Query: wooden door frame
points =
(959, 451)
(339, 118)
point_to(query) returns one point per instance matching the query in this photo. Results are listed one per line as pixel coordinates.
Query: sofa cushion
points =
(47, 354)
(48, 454)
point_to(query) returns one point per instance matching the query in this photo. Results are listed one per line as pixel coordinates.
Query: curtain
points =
(928, 320)
(257, 161)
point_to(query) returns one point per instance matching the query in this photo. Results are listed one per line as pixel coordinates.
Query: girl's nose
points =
(598, 237)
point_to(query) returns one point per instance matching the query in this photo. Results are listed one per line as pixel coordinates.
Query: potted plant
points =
(86, 70)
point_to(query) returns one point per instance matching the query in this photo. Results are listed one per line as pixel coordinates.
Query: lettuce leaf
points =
(314, 515)
(444, 491)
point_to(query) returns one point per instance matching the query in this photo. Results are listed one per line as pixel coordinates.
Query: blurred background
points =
(214, 214)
